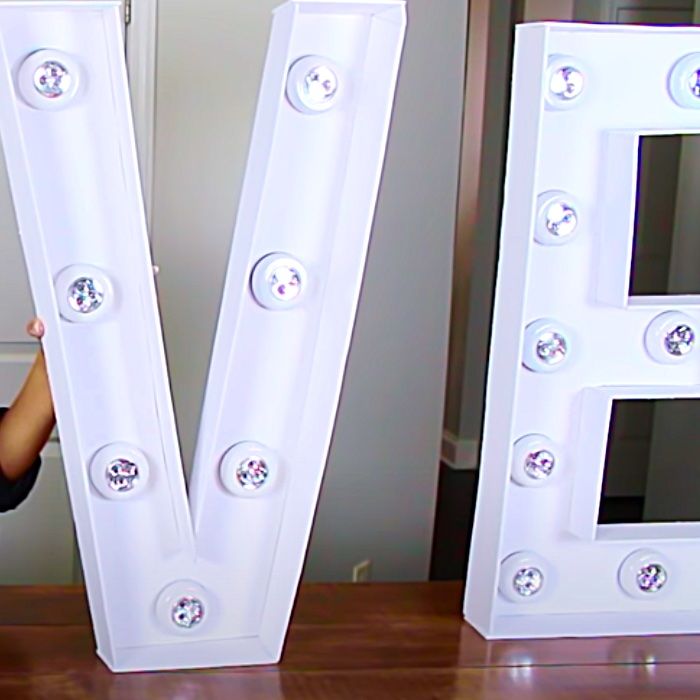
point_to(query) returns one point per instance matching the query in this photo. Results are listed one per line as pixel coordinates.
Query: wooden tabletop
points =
(347, 641)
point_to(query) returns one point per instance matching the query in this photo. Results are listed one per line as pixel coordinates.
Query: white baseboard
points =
(462, 455)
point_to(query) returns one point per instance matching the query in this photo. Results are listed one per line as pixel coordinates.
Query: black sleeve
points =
(12, 493)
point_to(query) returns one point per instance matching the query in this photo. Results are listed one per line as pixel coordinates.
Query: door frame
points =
(601, 11)
(606, 10)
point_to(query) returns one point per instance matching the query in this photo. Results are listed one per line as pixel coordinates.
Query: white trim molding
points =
(460, 454)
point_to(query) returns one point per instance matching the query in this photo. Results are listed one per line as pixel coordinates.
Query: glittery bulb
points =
(552, 348)
(188, 612)
(694, 83)
(651, 578)
(52, 79)
(539, 464)
(122, 475)
(566, 83)
(320, 86)
(680, 340)
(252, 473)
(561, 219)
(528, 581)
(85, 295)
(285, 283)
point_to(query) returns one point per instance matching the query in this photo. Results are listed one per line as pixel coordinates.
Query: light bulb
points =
(313, 84)
(48, 79)
(187, 612)
(547, 346)
(278, 281)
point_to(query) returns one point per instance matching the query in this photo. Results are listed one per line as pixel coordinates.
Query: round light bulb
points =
(52, 79)
(48, 79)
(671, 337)
(285, 282)
(557, 220)
(252, 473)
(186, 608)
(540, 464)
(528, 581)
(320, 86)
(249, 469)
(645, 574)
(278, 281)
(122, 475)
(565, 82)
(560, 219)
(684, 81)
(680, 340)
(547, 346)
(313, 84)
(536, 460)
(651, 578)
(694, 83)
(187, 612)
(552, 347)
(86, 295)
(525, 577)
(119, 471)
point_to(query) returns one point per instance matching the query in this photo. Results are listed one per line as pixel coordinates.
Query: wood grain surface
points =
(347, 641)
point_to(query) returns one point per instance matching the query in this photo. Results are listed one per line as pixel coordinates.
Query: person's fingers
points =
(35, 328)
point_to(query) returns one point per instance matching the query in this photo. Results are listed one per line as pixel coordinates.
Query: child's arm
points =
(28, 423)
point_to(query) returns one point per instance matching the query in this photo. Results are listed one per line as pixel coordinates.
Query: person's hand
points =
(27, 424)
(35, 328)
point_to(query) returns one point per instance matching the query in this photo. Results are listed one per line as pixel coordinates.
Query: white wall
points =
(378, 496)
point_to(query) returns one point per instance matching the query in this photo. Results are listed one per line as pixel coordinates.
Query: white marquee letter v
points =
(210, 581)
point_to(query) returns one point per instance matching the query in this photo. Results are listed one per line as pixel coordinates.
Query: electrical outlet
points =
(362, 571)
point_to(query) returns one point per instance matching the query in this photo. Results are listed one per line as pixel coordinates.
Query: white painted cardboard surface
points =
(588, 149)
(275, 376)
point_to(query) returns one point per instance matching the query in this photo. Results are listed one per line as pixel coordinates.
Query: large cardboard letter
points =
(210, 580)
(568, 339)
